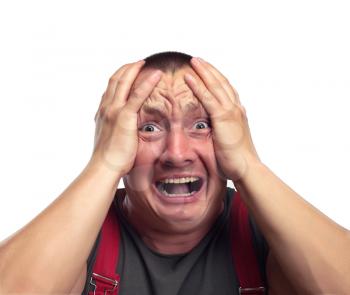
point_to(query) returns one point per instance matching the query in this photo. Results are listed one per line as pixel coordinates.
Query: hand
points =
(234, 148)
(116, 118)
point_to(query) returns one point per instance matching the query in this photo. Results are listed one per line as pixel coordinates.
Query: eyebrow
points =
(192, 106)
(155, 110)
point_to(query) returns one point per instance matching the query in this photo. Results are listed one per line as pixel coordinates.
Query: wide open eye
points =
(201, 125)
(149, 128)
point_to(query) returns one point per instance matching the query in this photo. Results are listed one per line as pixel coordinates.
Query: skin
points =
(299, 261)
(178, 228)
(82, 207)
(180, 143)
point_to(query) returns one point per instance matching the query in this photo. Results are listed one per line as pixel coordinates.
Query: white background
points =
(289, 61)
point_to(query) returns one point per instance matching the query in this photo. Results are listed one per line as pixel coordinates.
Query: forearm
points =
(311, 248)
(48, 254)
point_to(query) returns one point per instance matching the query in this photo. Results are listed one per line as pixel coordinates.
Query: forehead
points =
(171, 95)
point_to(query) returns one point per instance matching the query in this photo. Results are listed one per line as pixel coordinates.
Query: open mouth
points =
(179, 187)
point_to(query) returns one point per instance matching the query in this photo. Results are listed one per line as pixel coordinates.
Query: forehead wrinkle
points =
(156, 106)
(191, 105)
(169, 97)
(164, 91)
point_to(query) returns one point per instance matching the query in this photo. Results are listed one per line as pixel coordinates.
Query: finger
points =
(125, 82)
(99, 107)
(231, 91)
(112, 84)
(207, 99)
(142, 91)
(210, 81)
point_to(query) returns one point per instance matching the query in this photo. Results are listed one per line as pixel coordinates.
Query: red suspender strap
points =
(243, 252)
(104, 277)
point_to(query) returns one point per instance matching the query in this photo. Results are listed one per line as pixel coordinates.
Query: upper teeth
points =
(180, 180)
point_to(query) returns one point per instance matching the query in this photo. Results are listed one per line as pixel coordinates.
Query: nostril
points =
(173, 163)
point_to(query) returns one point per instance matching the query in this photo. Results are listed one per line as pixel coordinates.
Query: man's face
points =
(175, 179)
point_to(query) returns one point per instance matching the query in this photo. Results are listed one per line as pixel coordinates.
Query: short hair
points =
(167, 61)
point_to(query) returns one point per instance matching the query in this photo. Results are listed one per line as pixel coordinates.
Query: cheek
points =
(207, 153)
(148, 152)
(140, 176)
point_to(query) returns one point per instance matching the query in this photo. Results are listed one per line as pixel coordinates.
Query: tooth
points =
(180, 180)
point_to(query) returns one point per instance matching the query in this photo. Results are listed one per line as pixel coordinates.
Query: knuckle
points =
(235, 92)
(121, 82)
(126, 113)
(102, 112)
(206, 94)
(112, 80)
(229, 107)
(225, 80)
(244, 112)
(137, 93)
(109, 114)
(215, 85)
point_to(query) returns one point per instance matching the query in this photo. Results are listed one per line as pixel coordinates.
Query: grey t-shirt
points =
(207, 269)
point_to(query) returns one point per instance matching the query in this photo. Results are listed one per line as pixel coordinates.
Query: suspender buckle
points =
(104, 285)
(259, 290)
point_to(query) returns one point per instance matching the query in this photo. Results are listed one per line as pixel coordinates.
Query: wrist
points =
(98, 166)
(251, 164)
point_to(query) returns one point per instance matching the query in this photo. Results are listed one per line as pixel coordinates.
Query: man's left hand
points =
(234, 148)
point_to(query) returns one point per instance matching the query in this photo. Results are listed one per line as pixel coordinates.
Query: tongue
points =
(178, 189)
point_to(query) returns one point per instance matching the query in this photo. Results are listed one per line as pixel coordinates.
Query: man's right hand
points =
(81, 209)
(116, 138)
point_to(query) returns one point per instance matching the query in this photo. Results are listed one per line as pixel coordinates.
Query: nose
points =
(178, 151)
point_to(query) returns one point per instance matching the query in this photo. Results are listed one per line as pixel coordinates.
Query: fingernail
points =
(201, 59)
(155, 76)
(196, 61)
(189, 77)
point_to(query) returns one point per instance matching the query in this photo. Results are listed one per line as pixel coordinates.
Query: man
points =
(173, 127)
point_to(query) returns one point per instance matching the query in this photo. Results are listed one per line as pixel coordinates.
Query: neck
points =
(167, 238)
